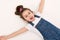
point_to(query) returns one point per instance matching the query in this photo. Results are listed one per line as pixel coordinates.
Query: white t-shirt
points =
(32, 28)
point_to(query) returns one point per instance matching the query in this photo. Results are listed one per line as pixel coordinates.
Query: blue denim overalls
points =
(49, 31)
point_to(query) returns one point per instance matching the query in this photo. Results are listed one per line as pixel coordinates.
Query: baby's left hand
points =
(3, 38)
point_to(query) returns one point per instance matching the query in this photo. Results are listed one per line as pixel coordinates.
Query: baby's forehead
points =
(26, 11)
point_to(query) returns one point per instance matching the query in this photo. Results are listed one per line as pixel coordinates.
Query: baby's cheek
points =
(27, 19)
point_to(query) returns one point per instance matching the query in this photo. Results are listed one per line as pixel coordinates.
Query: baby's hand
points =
(3, 38)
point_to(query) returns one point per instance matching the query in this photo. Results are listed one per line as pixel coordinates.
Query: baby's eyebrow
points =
(26, 15)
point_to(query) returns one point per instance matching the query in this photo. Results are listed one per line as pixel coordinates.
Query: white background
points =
(10, 23)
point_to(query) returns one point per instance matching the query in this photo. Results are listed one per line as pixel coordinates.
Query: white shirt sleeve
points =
(34, 30)
(28, 26)
(38, 13)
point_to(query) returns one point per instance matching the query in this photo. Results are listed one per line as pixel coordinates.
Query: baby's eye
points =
(28, 12)
(25, 16)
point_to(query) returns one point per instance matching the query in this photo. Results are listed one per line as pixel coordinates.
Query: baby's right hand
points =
(3, 38)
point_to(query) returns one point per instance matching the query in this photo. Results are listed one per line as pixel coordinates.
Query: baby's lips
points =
(1, 36)
(31, 18)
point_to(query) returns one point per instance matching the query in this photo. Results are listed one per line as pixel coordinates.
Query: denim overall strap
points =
(37, 16)
(33, 23)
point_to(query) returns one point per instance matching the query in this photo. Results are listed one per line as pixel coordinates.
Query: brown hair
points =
(20, 10)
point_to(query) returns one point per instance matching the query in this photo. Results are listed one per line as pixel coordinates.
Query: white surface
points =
(9, 22)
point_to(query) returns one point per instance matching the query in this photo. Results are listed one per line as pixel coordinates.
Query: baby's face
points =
(28, 15)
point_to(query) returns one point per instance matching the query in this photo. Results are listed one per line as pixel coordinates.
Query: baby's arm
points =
(20, 31)
(41, 6)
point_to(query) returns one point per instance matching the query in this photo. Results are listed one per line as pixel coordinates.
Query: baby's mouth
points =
(31, 18)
